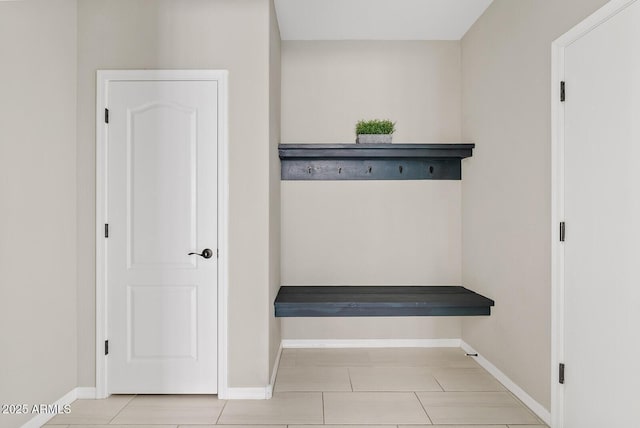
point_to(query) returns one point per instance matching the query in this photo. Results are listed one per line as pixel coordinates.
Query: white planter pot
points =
(374, 139)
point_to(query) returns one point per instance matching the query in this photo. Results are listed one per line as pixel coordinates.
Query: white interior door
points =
(602, 214)
(161, 206)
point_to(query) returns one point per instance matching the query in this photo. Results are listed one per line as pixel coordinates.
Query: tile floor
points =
(371, 388)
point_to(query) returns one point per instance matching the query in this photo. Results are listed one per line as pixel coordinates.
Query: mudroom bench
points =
(379, 301)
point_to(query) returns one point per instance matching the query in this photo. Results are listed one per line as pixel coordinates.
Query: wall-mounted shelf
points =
(379, 301)
(373, 161)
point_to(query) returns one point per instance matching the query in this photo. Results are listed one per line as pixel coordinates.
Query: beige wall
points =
(38, 203)
(371, 232)
(328, 86)
(274, 183)
(190, 34)
(371, 328)
(506, 64)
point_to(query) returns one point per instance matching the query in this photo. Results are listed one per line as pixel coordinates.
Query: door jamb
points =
(557, 194)
(104, 77)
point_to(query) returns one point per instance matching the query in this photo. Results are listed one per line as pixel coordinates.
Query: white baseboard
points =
(42, 418)
(256, 393)
(371, 343)
(536, 407)
(276, 364)
(268, 392)
(85, 393)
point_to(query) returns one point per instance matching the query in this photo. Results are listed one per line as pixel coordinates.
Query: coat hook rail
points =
(373, 161)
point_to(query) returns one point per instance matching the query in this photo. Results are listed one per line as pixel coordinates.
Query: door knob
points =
(206, 253)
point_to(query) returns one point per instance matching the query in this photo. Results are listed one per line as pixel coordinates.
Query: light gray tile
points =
(331, 357)
(232, 426)
(475, 408)
(479, 415)
(347, 426)
(525, 426)
(171, 409)
(393, 379)
(288, 358)
(292, 379)
(92, 412)
(176, 401)
(284, 408)
(421, 357)
(488, 399)
(172, 415)
(467, 380)
(373, 408)
(454, 426)
(123, 426)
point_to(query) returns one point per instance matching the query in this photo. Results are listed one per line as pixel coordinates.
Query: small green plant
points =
(375, 126)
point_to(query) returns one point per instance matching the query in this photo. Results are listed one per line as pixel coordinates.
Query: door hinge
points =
(217, 253)
(106, 230)
(106, 115)
(561, 373)
(562, 91)
(562, 231)
(106, 347)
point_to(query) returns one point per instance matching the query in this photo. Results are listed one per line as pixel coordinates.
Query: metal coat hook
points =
(400, 169)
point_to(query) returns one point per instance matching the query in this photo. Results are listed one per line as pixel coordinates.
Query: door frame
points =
(558, 194)
(104, 78)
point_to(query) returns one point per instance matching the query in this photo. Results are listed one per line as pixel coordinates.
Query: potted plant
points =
(374, 131)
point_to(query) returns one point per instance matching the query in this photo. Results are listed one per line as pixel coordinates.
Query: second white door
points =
(162, 205)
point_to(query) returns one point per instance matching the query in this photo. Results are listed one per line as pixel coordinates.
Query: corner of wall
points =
(275, 334)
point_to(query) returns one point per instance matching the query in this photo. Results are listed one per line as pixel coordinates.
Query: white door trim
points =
(104, 77)
(557, 194)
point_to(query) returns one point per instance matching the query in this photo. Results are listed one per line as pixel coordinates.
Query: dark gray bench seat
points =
(379, 301)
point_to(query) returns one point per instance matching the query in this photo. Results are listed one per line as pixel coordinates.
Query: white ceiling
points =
(377, 19)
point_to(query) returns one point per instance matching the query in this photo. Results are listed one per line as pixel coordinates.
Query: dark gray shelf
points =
(373, 161)
(379, 301)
